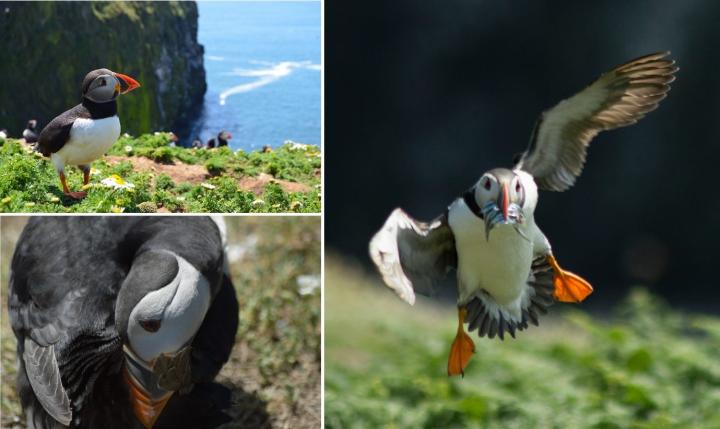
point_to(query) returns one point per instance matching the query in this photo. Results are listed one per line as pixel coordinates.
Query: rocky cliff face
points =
(48, 47)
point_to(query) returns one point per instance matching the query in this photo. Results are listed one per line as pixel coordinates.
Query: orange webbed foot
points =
(569, 287)
(462, 348)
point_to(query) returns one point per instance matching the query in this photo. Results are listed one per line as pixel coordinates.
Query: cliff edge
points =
(48, 47)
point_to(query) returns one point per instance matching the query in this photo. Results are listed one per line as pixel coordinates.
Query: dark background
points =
(423, 97)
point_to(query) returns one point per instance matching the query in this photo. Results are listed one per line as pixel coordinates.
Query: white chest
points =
(89, 140)
(500, 265)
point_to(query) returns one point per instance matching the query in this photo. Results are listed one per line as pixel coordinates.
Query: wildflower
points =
(116, 182)
(30, 204)
(6, 200)
(128, 149)
(258, 202)
(116, 209)
(295, 204)
(208, 185)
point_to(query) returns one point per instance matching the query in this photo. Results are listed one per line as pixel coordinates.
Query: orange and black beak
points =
(146, 406)
(127, 83)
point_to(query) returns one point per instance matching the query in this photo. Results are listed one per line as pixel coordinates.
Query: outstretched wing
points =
(618, 98)
(412, 255)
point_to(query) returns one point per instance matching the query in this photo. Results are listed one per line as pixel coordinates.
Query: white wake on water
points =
(265, 76)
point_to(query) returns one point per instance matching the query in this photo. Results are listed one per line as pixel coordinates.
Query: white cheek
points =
(181, 305)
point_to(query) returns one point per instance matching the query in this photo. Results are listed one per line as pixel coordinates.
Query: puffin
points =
(30, 131)
(221, 139)
(84, 133)
(507, 275)
(129, 335)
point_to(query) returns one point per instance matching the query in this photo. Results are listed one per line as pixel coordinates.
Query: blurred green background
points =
(274, 369)
(642, 365)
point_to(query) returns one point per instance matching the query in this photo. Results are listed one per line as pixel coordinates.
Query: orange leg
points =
(86, 176)
(569, 287)
(66, 190)
(462, 348)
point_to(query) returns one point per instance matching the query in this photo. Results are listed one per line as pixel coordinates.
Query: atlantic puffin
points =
(129, 335)
(506, 272)
(30, 131)
(84, 133)
(221, 139)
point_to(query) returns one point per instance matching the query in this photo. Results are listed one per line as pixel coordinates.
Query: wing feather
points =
(618, 98)
(411, 255)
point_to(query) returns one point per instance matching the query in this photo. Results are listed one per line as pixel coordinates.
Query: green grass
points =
(29, 183)
(647, 366)
(274, 369)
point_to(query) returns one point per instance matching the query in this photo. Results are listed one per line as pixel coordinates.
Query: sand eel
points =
(129, 335)
(84, 133)
(506, 272)
(30, 131)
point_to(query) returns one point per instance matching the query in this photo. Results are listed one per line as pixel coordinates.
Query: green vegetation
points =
(206, 180)
(648, 366)
(274, 369)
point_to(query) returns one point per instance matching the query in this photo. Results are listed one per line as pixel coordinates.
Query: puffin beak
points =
(504, 200)
(146, 407)
(127, 83)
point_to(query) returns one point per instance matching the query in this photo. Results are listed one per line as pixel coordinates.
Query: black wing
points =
(54, 136)
(64, 344)
(618, 98)
(412, 255)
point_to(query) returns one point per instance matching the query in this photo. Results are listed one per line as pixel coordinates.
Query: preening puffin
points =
(121, 322)
(506, 272)
(84, 133)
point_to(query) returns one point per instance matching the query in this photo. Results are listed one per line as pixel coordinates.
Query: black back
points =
(54, 136)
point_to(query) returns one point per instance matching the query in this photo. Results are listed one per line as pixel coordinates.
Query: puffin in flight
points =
(129, 335)
(506, 272)
(84, 133)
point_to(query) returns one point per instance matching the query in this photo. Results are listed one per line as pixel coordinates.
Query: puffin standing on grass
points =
(84, 133)
(506, 272)
(129, 335)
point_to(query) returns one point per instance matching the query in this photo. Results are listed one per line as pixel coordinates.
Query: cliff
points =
(48, 47)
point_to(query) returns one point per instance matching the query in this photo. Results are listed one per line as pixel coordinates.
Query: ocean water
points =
(262, 61)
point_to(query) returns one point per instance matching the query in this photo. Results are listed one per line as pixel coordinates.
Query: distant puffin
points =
(84, 133)
(30, 131)
(507, 274)
(129, 335)
(3, 133)
(221, 140)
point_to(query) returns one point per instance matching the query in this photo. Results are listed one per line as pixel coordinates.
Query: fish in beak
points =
(501, 212)
(127, 83)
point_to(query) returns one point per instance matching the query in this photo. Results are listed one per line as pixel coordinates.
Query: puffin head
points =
(505, 197)
(160, 307)
(224, 135)
(103, 85)
(31, 124)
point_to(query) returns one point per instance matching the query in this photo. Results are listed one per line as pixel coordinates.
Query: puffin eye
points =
(517, 186)
(150, 325)
(103, 82)
(487, 184)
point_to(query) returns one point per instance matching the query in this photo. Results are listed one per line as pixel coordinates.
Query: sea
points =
(263, 66)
